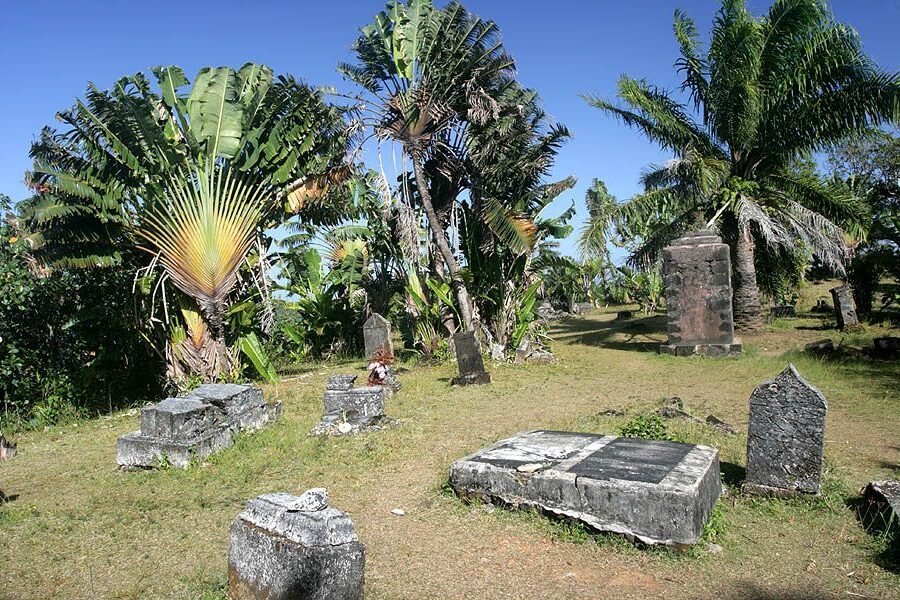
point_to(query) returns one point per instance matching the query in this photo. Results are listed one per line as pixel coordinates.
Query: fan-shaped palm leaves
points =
(767, 91)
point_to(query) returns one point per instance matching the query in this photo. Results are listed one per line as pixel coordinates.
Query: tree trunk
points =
(443, 244)
(747, 309)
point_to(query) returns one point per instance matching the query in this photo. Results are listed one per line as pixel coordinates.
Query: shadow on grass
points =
(630, 335)
(732, 475)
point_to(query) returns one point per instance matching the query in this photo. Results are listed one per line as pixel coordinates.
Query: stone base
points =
(703, 349)
(338, 425)
(481, 378)
(755, 489)
(277, 553)
(136, 450)
(657, 492)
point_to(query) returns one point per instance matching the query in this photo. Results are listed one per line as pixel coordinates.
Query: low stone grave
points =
(844, 307)
(825, 346)
(350, 409)
(886, 347)
(532, 353)
(178, 430)
(785, 437)
(654, 491)
(784, 311)
(469, 360)
(283, 546)
(880, 512)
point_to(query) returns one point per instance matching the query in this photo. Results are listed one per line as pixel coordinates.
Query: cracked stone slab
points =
(278, 549)
(785, 436)
(658, 492)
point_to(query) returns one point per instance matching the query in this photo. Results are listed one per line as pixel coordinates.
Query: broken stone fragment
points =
(718, 423)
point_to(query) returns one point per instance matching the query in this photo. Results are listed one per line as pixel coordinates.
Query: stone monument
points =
(785, 437)
(654, 491)
(697, 272)
(350, 409)
(377, 336)
(178, 430)
(844, 307)
(285, 547)
(469, 360)
(881, 509)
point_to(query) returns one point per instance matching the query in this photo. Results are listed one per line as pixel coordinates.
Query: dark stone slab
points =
(285, 547)
(658, 492)
(622, 315)
(825, 346)
(377, 336)
(697, 273)
(784, 311)
(844, 307)
(469, 360)
(886, 347)
(786, 436)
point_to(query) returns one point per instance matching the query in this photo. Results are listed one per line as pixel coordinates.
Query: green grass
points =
(79, 528)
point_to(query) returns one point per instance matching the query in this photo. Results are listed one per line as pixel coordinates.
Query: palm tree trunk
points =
(747, 309)
(443, 245)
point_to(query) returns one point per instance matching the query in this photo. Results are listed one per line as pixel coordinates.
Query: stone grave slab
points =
(469, 360)
(349, 409)
(785, 436)
(655, 491)
(697, 274)
(179, 430)
(283, 546)
(377, 336)
(844, 307)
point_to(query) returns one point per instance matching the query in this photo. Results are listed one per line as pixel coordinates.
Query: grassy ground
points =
(78, 528)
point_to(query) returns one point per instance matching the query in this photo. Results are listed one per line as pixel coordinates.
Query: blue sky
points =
(565, 48)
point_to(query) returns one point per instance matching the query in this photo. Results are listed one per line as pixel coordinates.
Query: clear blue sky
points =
(563, 48)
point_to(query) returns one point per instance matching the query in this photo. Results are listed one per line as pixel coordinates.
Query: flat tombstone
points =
(658, 492)
(844, 307)
(786, 436)
(284, 547)
(469, 359)
(697, 271)
(377, 336)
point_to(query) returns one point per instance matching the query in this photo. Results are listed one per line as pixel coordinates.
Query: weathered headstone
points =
(177, 430)
(785, 437)
(658, 492)
(469, 360)
(697, 271)
(287, 547)
(844, 307)
(377, 336)
(349, 409)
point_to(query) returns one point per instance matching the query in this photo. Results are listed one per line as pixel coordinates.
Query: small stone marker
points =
(284, 547)
(177, 430)
(825, 346)
(844, 307)
(881, 510)
(469, 360)
(658, 492)
(785, 437)
(697, 271)
(349, 409)
(377, 336)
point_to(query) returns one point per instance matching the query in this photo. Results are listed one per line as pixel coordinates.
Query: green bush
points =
(646, 427)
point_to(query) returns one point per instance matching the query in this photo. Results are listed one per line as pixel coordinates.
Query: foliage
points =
(70, 340)
(191, 177)
(646, 427)
(767, 90)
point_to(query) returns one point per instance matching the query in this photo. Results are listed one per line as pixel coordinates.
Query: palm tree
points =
(765, 92)
(192, 178)
(430, 75)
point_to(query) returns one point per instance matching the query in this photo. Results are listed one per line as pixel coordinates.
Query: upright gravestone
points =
(469, 360)
(786, 436)
(284, 547)
(377, 336)
(697, 271)
(844, 307)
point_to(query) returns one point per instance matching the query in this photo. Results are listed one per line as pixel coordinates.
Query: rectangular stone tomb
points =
(349, 409)
(697, 273)
(283, 547)
(658, 492)
(178, 430)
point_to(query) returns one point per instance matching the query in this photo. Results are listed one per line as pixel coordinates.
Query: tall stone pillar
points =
(697, 271)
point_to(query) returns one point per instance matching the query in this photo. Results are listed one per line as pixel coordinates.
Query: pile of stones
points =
(179, 430)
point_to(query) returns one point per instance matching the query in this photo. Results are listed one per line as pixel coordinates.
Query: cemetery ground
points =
(76, 527)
